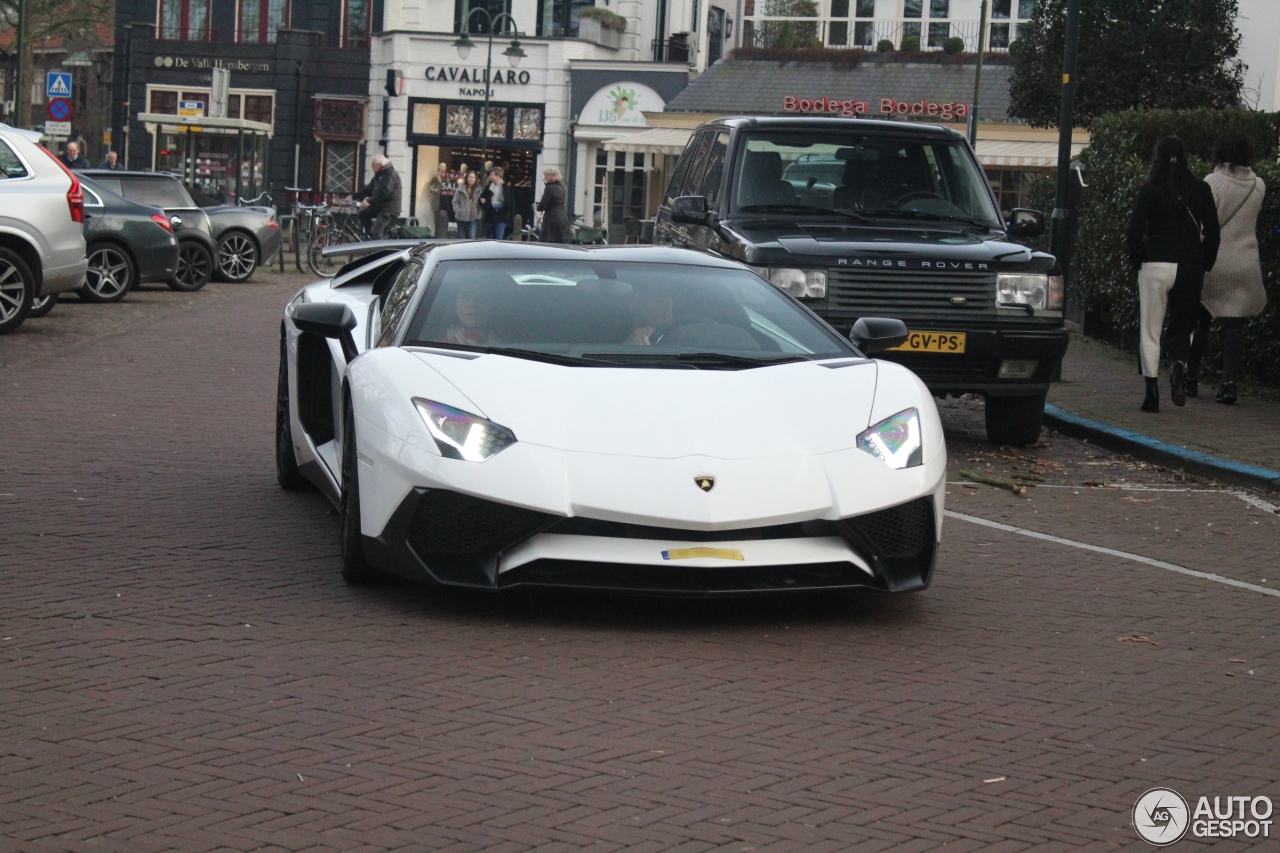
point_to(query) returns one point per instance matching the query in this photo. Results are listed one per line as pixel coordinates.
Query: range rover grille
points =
(909, 294)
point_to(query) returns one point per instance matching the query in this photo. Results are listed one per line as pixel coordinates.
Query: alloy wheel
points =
(237, 257)
(12, 291)
(193, 266)
(108, 273)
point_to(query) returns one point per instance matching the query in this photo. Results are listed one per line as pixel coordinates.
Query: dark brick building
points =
(299, 66)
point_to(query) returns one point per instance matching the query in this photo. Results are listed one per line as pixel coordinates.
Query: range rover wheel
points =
(17, 290)
(237, 257)
(195, 267)
(1014, 420)
(355, 568)
(42, 306)
(110, 274)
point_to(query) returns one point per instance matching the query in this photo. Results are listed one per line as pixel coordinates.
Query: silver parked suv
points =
(41, 226)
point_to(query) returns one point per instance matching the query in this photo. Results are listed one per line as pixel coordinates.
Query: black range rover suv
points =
(862, 218)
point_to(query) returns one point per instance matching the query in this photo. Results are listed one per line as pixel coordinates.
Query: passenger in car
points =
(650, 311)
(472, 311)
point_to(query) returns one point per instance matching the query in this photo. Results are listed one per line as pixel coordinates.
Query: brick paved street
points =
(183, 668)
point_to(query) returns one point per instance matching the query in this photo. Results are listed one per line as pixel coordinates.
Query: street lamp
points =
(493, 25)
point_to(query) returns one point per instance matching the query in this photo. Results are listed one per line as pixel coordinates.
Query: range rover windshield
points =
(862, 176)
(607, 314)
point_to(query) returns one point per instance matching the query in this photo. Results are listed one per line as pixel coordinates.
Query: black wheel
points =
(1014, 420)
(237, 257)
(195, 267)
(355, 568)
(287, 474)
(42, 306)
(110, 275)
(17, 290)
(316, 261)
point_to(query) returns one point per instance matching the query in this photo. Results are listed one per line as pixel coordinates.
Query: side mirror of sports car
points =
(328, 320)
(875, 334)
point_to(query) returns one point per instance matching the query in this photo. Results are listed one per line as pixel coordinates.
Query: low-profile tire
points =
(237, 257)
(287, 474)
(355, 567)
(1014, 420)
(110, 276)
(42, 306)
(195, 267)
(17, 290)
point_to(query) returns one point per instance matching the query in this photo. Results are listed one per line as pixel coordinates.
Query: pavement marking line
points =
(1251, 500)
(1111, 552)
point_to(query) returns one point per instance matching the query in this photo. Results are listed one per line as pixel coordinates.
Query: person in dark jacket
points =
(1173, 240)
(380, 199)
(498, 203)
(112, 162)
(73, 159)
(555, 219)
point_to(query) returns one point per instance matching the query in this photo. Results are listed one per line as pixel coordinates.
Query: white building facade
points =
(630, 57)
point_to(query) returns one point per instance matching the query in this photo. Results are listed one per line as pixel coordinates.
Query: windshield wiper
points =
(531, 355)
(858, 217)
(693, 359)
(925, 214)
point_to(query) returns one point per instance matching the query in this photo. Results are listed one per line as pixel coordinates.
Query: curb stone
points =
(1154, 450)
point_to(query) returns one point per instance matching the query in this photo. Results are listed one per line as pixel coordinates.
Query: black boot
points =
(1152, 402)
(1191, 383)
(1227, 393)
(1177, 391)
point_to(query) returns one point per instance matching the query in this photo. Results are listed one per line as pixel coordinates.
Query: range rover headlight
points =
(895, 441)
(803, 284)
(461, 435)
(1036, 290)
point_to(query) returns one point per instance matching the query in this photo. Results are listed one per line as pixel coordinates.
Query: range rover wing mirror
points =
(1025, 223)
(876, 334)
(328, 320)
(689, 210)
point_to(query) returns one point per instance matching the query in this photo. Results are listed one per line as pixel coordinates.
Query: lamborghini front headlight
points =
(461, 435)
(895, 441)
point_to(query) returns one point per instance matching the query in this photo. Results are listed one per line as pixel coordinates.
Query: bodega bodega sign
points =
(850, 107)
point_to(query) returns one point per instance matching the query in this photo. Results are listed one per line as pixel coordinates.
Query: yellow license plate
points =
(951, 342)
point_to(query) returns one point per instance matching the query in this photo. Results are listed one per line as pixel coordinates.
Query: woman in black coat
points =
(498, 203)
(1173, 240)
(555, 218)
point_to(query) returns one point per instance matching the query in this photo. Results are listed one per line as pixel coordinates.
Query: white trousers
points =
(1155, 280)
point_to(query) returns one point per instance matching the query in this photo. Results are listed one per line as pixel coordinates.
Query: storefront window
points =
(184, 20)
(496, 122)
(339, 167)
(528, 123)
(164, 102)
(559, 18)
(426, 119)
(260, 20)
(258, 108)
(460, 120)
(477, 22)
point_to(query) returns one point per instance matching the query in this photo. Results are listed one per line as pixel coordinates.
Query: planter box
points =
(590, 29)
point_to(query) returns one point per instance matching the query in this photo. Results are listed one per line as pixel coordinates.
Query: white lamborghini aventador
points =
(495, 414)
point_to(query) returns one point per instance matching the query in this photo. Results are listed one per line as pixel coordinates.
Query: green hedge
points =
(1117, 161)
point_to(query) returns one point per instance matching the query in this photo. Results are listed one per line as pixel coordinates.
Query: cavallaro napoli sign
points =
(621, 104)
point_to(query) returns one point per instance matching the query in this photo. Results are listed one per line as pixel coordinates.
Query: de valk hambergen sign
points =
(849, 107)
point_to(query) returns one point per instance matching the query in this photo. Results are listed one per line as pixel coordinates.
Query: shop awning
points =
(206, 121)
(1035, 155)
(658, 140)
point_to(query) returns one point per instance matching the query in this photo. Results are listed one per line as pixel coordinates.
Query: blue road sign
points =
(58, 84)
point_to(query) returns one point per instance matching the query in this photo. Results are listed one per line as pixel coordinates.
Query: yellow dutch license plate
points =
(946, 342)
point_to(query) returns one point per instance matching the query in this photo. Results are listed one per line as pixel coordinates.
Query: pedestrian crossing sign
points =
(58, 84)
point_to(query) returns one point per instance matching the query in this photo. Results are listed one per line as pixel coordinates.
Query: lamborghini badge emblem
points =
(705, 483)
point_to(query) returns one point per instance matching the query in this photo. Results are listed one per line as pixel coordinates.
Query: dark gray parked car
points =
(127, 244)
(247, 237)
(191, 225)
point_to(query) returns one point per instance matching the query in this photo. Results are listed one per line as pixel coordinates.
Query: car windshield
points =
(609, 313)
(864, 175)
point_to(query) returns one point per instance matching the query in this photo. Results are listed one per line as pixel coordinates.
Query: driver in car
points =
(472, 310)
(650, 311)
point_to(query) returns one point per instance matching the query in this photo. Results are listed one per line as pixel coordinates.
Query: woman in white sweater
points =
(1233, 289)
